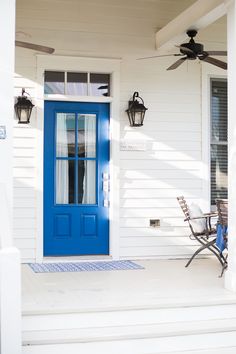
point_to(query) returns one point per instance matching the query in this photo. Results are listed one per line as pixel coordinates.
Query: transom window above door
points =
(76, 83)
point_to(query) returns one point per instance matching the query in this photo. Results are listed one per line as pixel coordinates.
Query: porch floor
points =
(162, 283)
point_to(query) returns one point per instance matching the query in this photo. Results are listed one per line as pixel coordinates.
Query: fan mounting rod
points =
(192, 33)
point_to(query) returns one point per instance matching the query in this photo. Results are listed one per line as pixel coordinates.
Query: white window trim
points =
(208, 72)
(64, 63)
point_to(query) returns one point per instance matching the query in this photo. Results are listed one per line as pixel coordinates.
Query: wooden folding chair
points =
(207, 238)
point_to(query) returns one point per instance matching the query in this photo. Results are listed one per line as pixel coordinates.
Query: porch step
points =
(193, 344)
(128, 332)
(133, 331)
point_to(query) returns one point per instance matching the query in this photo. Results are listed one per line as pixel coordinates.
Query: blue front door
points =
(76, 158)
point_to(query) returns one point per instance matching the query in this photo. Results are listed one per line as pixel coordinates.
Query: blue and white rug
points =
(83, 266)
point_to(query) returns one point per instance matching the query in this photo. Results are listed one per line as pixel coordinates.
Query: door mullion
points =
(76, 158)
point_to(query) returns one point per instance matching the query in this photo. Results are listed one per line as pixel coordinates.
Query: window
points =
(100, 84)
(54, 82)
(76, 83)
(76, 158)
(219, 138)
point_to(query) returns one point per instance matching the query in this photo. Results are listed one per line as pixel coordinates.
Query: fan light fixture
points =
(136, 111)
(23, 108)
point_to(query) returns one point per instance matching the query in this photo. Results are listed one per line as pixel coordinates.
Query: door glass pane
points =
(87, 182)
(65, 135)
(87, 135)
(65, 178)
(100, 84)
(54, 82)
(77, 84)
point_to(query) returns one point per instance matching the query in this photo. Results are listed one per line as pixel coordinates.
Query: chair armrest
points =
(211, 214)
(204, 216)
(198, 217)
(207, 217)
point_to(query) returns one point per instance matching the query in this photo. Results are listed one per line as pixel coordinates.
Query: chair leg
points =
(218, 255)
(223, 258)
(224, 267)
(194, 255)
(204, 246)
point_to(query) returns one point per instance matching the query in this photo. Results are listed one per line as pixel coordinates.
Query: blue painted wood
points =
(62, 225)
(75, 229)
(89, 225)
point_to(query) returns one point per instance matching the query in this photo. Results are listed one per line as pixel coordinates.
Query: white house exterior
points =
(149, 166)
(172, 157)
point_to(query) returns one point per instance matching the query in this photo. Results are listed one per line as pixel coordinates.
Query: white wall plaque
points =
(133, 145)
(3, 132)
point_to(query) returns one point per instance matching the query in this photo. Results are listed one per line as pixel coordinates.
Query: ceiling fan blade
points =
(217, 52)
(37, 47)
(159, 56)
(186, 50)
(216, 62)
(177, 63)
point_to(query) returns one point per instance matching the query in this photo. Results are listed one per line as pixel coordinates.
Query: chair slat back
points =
(184, 206)
(222, 208)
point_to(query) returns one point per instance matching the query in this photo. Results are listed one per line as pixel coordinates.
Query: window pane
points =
(100, 84)
(77, 84)
(219, 110)
(87, 135)
(219, 127)
(219, 172)
(54, 82)
(65, 186)
(87, 182)
(65, 135)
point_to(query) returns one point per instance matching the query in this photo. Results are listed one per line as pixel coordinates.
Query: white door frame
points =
(78, 64)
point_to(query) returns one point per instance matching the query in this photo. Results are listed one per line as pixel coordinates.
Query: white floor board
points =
(162, 283)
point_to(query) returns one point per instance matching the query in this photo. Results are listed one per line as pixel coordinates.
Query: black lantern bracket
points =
(136, 111)
(23, 108)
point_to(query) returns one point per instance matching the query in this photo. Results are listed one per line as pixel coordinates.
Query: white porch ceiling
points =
(71, 26)
(199, 15)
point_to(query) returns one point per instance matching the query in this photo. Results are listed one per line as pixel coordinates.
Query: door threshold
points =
(76, 259)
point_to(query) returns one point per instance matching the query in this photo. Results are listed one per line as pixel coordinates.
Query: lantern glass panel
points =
(24, 115)
(139, 118)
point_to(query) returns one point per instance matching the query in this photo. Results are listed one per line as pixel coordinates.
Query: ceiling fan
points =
(37, 47)
(192, 51)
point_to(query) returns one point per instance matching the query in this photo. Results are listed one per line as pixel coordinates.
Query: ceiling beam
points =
(201, 14)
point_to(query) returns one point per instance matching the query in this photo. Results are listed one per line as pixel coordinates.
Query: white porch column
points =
(10, 291)
(230, 276)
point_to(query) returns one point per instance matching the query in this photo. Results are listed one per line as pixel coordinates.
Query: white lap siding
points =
(171, 163)
(25, 166)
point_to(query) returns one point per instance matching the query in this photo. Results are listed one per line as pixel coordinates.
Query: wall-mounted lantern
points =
(23, 108)
(136, 111)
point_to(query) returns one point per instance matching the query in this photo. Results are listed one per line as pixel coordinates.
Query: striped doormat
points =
(83, 266)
